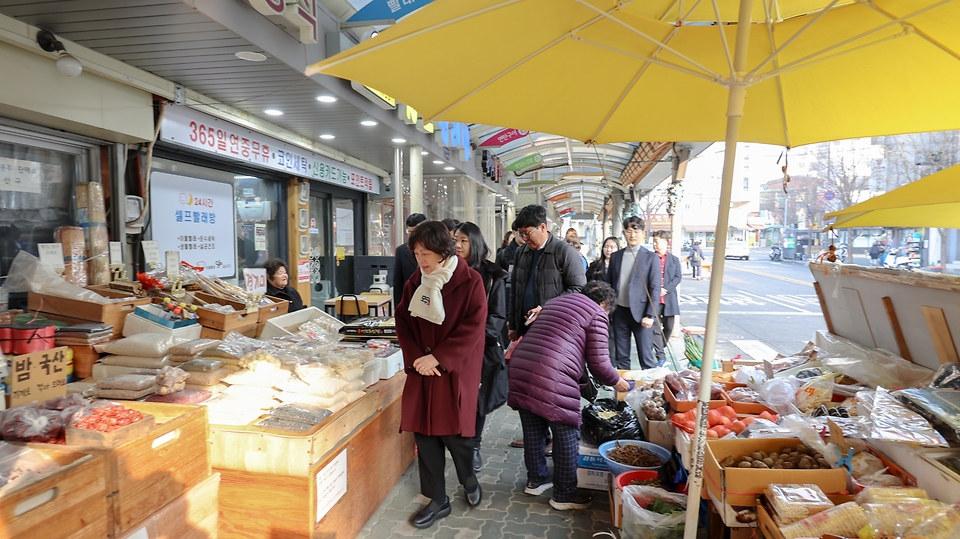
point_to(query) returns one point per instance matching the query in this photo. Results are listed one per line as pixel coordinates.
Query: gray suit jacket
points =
(648, 266)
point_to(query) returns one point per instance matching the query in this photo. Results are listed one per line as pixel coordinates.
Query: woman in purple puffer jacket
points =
(544, 373)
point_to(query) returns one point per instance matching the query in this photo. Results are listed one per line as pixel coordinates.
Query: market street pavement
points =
(770, 302)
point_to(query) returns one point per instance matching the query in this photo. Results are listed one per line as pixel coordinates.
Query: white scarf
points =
(426, 302)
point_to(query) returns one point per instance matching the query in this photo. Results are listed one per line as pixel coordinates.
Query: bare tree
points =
(847, 174)
(655, 201)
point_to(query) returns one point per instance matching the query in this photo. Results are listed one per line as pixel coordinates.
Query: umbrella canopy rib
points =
(789, 41)
(918, 31)
(776, 64)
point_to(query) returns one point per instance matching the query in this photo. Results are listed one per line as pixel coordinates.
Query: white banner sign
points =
(193, 129)
(196, 218)
(255, 279)
(20, 175)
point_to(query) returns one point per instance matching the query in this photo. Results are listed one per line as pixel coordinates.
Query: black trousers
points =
(432, 460)
(481, 421)
(624, 326)
(658, 338)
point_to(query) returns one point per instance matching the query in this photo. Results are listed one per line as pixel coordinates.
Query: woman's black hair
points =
(273, 265)
(433, 236)
(478, 247)
(507, 238)
(600, 292)
(604, 244)
(451, 223)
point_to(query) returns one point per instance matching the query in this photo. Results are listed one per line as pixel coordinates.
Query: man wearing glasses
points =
(635, 275)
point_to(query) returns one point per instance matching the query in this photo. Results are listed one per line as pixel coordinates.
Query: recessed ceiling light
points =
(327, 137)
(326, 99)
(437, 162)
(368, 123)
(273, 112)
(244, 177)
(424, 152)
(399, 140)
(251, 56)
(449, 168)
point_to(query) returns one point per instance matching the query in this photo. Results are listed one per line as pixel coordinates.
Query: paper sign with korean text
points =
(151, 254)
(195, 217)
(38, 376)
(255, 279)
(24, 176)
(303, 271)
(186, 127)
(51, 255)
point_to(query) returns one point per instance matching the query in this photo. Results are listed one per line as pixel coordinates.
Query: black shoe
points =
(427, 516)
(536, 489)
(517, 443)
(580, 500)
(477, 461)
(473, 498)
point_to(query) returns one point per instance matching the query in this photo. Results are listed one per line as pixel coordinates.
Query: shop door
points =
(344, 231)
(321, 252)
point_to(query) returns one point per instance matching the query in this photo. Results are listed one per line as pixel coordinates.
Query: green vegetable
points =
(664, 507)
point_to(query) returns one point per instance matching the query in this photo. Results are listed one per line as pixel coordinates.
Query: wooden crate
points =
(193, 515)
(277, 308)
(254, 506)
(248, 329)
(76, 311)
(71, 503)
(254, 449)
(225, 322)
(146, 473)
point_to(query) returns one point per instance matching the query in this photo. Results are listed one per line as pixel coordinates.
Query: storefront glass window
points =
(380, 227)
(35, 197)
(343, 227)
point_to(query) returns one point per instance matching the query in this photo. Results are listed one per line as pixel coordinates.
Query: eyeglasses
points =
(525, 235)
(632, 231)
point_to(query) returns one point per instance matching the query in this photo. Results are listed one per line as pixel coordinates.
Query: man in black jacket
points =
(545, 268)
(404, 262)
(635, 276)
(670, 275)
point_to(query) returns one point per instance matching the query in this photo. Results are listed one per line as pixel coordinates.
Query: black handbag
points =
(589, 389)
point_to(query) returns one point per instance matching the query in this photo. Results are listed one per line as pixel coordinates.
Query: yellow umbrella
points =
(624, 70)
(930, 202)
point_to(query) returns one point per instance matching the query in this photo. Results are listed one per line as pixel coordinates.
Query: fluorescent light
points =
(327, 137)
(273, 112)
(437, 162)
(368, 123)
(449, 168)
(424, 152)
(326, 99)
(399, 140)
(250, 56)
(244, 177)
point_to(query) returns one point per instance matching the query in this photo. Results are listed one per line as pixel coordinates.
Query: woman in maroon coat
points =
(441, 320)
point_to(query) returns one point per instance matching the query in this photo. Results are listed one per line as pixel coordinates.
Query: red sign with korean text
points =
(503, 138)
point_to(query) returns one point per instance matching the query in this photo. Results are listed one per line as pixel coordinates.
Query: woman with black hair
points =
(600, 268)
(493, 376)
(440, 326)
(278, 286)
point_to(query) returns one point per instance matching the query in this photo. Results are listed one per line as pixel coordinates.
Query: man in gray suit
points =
(669, 307)
(635, 275)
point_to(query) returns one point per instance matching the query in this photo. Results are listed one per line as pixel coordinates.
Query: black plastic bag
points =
(947, 376)
(609, 419)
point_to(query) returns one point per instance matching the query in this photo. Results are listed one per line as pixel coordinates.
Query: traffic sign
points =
(829, 195)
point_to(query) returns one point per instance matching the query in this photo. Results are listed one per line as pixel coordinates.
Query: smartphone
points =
(530, 318)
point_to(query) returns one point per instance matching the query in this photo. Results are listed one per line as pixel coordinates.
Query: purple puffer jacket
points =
(549, 359)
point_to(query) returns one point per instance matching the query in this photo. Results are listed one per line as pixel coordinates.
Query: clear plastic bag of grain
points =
(793, 502)
(888, 494)
(301, 412)
(844, 520)
(943, 525)
(894, 519)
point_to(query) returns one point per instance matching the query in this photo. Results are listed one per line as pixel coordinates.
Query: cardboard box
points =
(592, 479)
(659, 432)
(683, 406)
(616, 503)
(741, 486)
(589, 457)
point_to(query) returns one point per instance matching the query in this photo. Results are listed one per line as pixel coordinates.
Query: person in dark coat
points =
(570, 334)
(670, 276)
(635, 276)
(441, 322)
(599, 269)
(404, 264)
(507, 256)
(278, 286)
(696, 259)
(493, 375)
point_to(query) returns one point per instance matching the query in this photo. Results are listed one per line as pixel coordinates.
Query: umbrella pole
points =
(737, 97)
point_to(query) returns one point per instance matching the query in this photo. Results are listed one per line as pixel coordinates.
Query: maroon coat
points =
(447, 404)
(548, 362)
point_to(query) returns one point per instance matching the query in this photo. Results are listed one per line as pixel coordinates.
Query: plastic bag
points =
(872, 367)
(947, 376)
(31, 423)
(941, 407)
(814, 392)
(885, 494)
(236, 346)
(642, 518)
(810, 436)
(793, 502)
(194, 347)
(301, 412)
(27, 274)
(845, 520)
(743, 394)
(136, 361)
(880, 479)
(894, 519)
(865, 464)
(170, 380)
(894, 422)
(752, 376)
(779, 391)
(142, 345)
(609, 419)
(202, 365)
(130, 382)
(942, 525)
(22, 465)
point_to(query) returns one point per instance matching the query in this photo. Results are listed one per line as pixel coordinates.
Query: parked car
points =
(738, 249)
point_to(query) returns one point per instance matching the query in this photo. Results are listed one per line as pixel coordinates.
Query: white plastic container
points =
(371, 372)
(288, 324)
(137, 324)
(391, 365)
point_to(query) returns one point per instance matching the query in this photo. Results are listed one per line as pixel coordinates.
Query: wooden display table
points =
(333, 495)
(375, 302)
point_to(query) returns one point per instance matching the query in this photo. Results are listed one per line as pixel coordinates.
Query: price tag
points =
(116, 253)
(173, 263)
(768, 369)
(151, 254)
(255, 279)
(51, 255)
